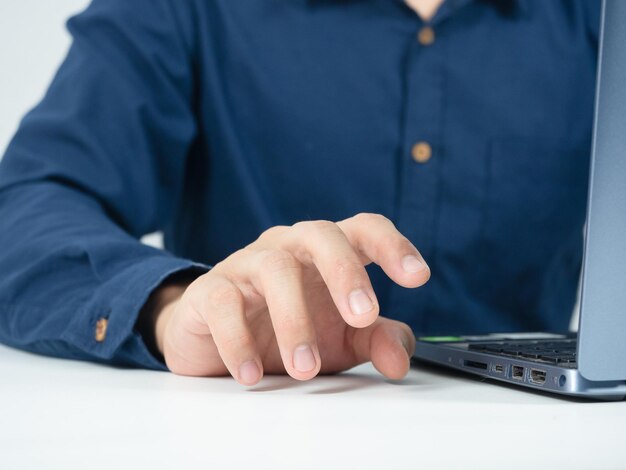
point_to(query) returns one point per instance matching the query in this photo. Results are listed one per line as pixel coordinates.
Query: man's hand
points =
(298, 300)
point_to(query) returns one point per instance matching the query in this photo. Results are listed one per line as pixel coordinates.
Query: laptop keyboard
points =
(553, 351)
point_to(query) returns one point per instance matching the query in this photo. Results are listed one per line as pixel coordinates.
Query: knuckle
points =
(347, 269)
(239, 255)
(228, 263)
(371, 218)
(396, 242)
(273, 232)
(320, 227)
(385, 248)
(275, 261)
(297, 324)
(241, 341)
(224, 295)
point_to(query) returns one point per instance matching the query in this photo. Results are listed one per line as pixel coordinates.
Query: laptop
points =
(591, 363)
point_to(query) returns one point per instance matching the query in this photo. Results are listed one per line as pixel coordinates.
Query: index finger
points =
(378, 240)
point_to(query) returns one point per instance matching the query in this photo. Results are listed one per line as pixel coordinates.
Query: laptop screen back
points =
(602, 331)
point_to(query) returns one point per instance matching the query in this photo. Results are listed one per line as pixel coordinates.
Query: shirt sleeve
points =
(96, 165)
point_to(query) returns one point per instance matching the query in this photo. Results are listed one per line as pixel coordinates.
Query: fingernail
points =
(303, 359)
(412, 264)
(360, 302)
(249, 373)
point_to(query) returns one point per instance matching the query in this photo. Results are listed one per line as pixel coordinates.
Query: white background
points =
(33, 42)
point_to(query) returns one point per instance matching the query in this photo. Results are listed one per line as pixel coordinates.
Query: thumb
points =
(389, 344)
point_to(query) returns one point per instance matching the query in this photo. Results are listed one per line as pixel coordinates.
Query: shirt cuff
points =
(105, 327)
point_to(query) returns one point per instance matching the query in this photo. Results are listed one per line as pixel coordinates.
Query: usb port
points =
(517, 372)
(537, 376)
(498, 368)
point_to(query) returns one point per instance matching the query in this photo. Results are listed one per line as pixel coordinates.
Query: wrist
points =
(157, 311)
(167, 300)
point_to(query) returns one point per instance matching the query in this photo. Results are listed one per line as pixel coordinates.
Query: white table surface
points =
(65, 414)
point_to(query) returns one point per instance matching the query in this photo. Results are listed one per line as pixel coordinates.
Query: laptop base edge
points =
(548, 378)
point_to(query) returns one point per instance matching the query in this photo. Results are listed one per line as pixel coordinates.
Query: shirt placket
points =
(421, 156)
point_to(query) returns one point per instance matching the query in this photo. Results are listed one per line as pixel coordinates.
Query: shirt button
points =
(422, 152)
(101, 329)
(426, 36)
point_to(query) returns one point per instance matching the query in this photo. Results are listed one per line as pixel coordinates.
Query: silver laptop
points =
(591, 363)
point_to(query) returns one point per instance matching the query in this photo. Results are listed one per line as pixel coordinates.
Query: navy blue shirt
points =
(214, 120)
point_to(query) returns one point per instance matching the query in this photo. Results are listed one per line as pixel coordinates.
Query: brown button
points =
(101, 329)
(426, 36)
(422, 152)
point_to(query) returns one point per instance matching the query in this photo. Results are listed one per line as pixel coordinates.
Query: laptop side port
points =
(517, 372)
(475, 364)
(498, 368)
(537, 377)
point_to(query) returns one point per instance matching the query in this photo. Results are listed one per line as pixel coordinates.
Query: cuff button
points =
(101, 329)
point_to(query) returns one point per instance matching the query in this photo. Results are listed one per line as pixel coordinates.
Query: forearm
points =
(66, 266)
(96, 165)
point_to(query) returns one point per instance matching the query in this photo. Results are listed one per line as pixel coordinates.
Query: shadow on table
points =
(332, 384)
